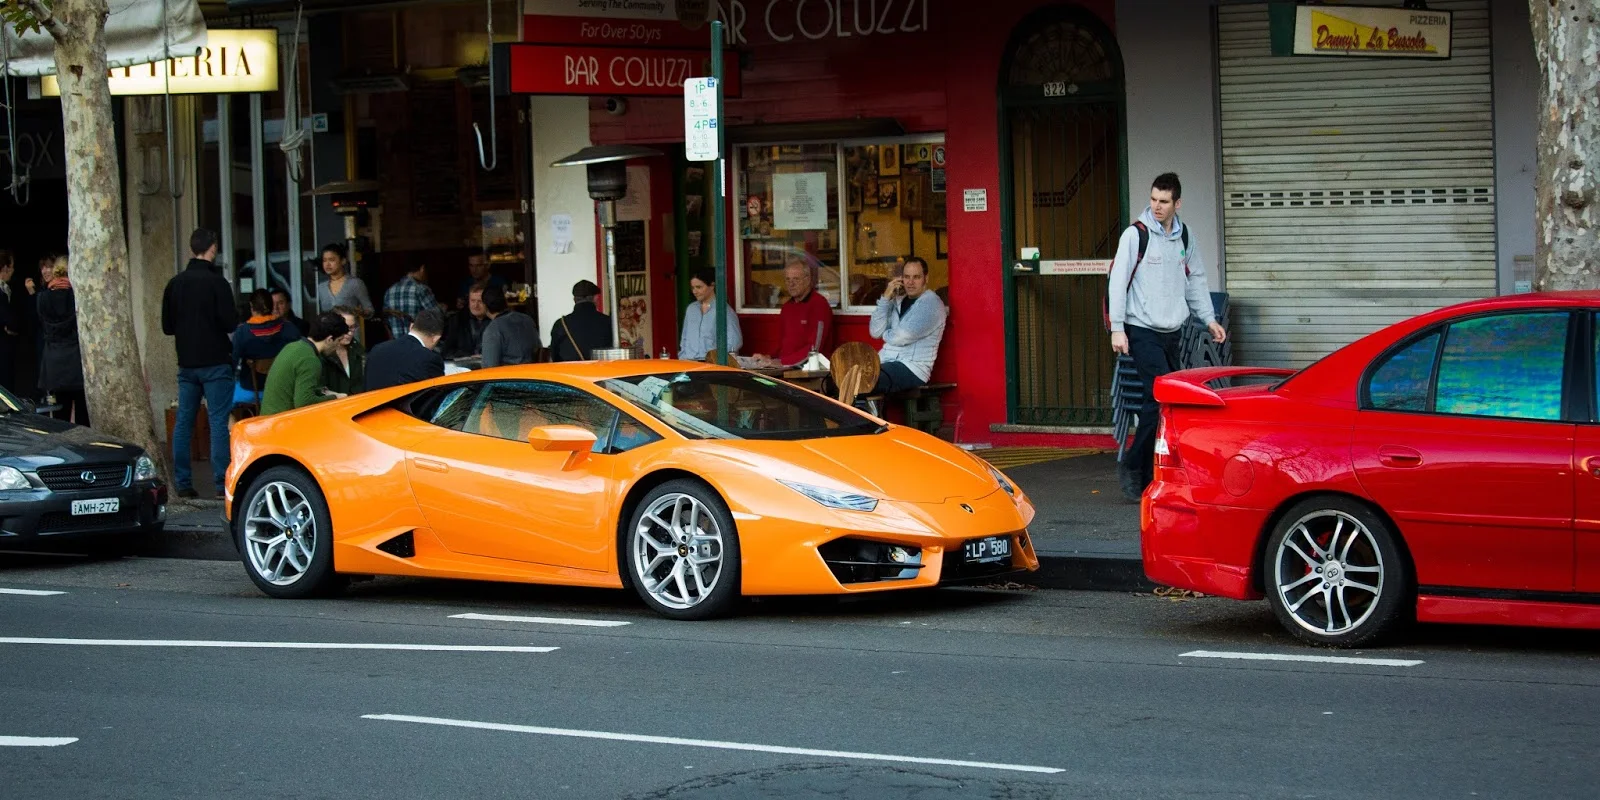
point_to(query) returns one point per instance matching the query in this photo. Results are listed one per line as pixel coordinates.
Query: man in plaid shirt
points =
(405, 298)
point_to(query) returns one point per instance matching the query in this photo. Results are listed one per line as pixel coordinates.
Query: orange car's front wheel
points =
(285, 535)
(682, 551)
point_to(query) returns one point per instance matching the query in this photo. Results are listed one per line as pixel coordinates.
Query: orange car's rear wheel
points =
(682, 551)
(285, 535)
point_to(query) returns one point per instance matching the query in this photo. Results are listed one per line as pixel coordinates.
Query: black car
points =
(63, 481)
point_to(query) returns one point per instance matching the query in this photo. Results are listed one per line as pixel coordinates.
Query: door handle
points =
(1591, 465)
(1394, 456)
(430, 465)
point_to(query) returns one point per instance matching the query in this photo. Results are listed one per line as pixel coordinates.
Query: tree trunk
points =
(1566, 41)
(97, 247)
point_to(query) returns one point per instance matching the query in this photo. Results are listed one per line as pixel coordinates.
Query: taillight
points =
(1167, 443)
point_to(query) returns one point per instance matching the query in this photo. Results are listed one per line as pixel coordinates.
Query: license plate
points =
(987, 550)
(84, 507)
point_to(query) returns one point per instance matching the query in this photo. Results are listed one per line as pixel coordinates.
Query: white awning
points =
(134, 35)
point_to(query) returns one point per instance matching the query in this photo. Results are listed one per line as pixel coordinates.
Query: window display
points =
(788, 205)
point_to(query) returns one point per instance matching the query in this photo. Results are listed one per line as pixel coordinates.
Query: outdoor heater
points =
(608, 183)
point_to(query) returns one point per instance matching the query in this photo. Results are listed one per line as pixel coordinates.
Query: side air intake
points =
(402, 546)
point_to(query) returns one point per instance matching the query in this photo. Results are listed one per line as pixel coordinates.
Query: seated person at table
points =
(262, 336)
(576, 336)
(700, 320)
(512, 337)
(344, 369)
(409, 358)
(910, 321)
(466, 330)
(295, 379)
(806, 320)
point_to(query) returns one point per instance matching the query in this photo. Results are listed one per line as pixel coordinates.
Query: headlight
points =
(1001, 479)
(12, 478)
(833, 498)
(144, 469)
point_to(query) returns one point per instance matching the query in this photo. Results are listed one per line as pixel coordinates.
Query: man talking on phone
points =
(910, 321)
(1157, 280)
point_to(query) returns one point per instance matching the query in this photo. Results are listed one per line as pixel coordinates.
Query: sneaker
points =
(1132, 487)
(187, 493)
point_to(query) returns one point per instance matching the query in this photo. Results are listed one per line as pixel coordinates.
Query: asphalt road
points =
(1054, 694)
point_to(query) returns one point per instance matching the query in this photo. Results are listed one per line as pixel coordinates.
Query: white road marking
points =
(1371, 662)
(756, 748)
(585, 623)
(35, 741)
(30, 592)
(448, 648)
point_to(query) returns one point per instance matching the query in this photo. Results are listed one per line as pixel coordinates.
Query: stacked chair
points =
(1195, 350)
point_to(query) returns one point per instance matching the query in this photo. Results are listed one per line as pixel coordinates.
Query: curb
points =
(1092, 573)
(1077, 572)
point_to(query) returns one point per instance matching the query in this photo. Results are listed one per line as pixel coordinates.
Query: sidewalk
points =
(1086, 535)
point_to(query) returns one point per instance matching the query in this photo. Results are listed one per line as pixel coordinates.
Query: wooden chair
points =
(855, 370)
(255, 380)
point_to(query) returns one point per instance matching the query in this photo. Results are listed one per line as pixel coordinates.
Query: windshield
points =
(738, 405)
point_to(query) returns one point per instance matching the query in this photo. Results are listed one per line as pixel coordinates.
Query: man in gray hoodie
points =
(1150, 299)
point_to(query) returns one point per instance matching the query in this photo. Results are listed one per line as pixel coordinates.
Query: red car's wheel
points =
(1334, 575)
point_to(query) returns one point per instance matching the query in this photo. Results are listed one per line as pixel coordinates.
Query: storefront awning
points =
(135, 34)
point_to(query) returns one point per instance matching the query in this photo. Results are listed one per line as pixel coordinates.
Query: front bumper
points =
(793, 556)
(1203, 548)
(28, 515)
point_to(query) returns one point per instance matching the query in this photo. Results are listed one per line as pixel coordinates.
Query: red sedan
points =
(1444, 469)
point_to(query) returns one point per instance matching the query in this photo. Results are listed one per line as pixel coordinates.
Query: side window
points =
(1401, 383)
(512, 409)
(447, 407)
(1510, 366)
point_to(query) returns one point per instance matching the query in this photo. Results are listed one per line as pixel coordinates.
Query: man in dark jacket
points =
(198, 310)
(465, 337)
(409, 358)
(576, 336)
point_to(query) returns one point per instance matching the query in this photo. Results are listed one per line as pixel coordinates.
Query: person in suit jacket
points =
(576, 336)
(411, 357)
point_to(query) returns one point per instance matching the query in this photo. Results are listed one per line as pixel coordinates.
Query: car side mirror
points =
(570, 439)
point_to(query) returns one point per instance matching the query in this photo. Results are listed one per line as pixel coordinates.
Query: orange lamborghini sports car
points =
(691, 483)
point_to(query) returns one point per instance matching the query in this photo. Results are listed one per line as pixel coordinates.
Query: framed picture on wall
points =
(888, 194)
(853, 197)
(933, 212)
(911, 203)
(889, 160)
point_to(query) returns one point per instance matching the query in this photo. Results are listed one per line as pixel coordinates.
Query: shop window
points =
(788, 212)
(853, 211)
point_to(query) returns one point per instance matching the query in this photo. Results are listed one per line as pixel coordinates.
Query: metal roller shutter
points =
(1356, 192)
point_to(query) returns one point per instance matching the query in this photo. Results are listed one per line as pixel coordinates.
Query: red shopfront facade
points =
(920, 95)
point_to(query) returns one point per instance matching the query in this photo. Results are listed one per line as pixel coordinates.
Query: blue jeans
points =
(216, 384)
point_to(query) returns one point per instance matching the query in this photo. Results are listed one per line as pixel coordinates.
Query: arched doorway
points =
(1064, 157)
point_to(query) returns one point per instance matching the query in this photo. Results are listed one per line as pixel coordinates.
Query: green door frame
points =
(1012, 97)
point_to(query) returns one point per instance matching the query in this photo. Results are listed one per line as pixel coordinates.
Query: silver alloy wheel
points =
(677, 551)
(280, 533)
(1322, 569)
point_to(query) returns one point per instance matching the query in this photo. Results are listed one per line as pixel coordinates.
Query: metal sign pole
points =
(719, 254)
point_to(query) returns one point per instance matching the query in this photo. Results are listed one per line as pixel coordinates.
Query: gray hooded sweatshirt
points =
(1161, 296)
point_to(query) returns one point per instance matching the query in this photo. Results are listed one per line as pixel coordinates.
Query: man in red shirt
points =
(802, 317)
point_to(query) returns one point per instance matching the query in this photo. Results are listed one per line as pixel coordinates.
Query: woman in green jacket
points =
(345, 369)
(295, 379)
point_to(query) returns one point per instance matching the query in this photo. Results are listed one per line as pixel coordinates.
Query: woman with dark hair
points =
(699, 336)
(61, 370)
(345, 369)
(341, 288)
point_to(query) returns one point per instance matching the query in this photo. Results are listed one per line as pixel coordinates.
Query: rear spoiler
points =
(1189, 387)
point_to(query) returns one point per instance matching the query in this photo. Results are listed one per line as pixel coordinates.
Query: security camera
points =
(616, 106)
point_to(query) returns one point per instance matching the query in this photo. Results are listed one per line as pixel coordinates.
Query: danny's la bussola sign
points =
(1371, 31)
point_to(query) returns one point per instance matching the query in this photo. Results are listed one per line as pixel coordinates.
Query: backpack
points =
(1144, 243)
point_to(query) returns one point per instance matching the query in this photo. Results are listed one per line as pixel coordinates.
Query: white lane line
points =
(30, 592)
(1371, 662)
(447, 648)
(757, 748)
(35, 741)
(586, 623)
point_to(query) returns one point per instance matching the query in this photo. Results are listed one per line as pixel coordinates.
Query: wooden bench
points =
(923, 408)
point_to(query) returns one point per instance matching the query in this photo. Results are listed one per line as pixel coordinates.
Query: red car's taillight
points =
(1167, 443)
